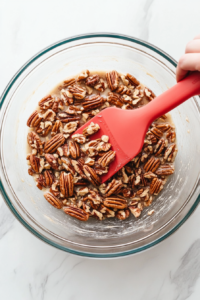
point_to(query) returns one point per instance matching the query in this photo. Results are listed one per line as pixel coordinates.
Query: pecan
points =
(152, 138)
(91, 129)
(126, 192)
(73, 110)
(152, 164)
(163, 127)
(54, 189)
(150, 175)
(91, 175)
(112, 80)
(58, 104)
(115, 202)
(106, 211)
(63, 150)
(78, 166)
(35, 142)
(113, 187)
(165, 170)
(74, 149)
(135, 211)
(170, 153)
(160, 146)
(41, 182)
(55, 142)
(132, 181)
(122, 214)
(49, 115)
(66, 184)
(34, 119)
(68, 166)
(70, 127)
(107, 158)
(101, 85)
(83, 75)
(35, 163)
(149, 94)
(102, 146)
(122, 89)
(156, 186)
(65, 118)
(82, 191)
(52, 160)
(46, 102)
(98, 215)
(68, 82)
(76, 212)
(171, 136)
(92, 102)
(132, 80)
(44, 128)
(79, 138)
(99, 169)
(115, 99)
(53, 200)
(49, 177)
(57, 128)
(92, 80)
(66, 97)
(78, 92)
(157, 132)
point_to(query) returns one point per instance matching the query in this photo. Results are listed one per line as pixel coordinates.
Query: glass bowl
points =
(112, 237)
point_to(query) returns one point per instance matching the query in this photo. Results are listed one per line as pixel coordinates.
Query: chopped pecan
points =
(83, 75)
(53, 200)
(132, 181)
(65, 118)
(112, 80)
(170, 153)
(66, 184)
(44, 128)
(52, 160)
(70, 127)
(152, 164)
(156, 186)
(101, 85)
(106, 211)
(163, 126)
(126, 192)
(82, 191)
(40, 182)
(160, 146)
(46, 102)
(79, 138)
(66, 97)
(74, 110)
(99, 169)
(76, 212)
(92, 80)
(74, 149)
(113, 187)
(92, 102)
(49, 177)
(149, 94)
(132, 80)
(78, 166)
(165, 170)
(150, 175)
(115, 202)
(52, 145)
(49, 115)
(171, 136)
(107, 158)
(57, 128)
(98, 215)
(136, 211)
(122, 214)
(91, 129)
(152, 138)
(78, 92)
(34, 119)
(58, 104)
(35, 142)
(68, 166)
(115, 99)
(91, 175)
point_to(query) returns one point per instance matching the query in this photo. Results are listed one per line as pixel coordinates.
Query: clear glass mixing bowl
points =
(112, 237)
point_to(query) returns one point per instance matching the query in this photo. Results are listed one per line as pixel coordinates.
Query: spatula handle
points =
(183, 90)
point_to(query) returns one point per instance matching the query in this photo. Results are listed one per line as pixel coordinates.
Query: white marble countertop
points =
(30, 269)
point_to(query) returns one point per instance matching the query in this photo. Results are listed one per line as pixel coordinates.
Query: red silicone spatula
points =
(127, 128)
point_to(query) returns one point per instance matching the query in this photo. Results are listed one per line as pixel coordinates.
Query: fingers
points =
(197, 37)
(193, 46)
(187, 62)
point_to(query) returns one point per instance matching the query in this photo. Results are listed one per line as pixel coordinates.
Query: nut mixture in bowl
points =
(71, 166)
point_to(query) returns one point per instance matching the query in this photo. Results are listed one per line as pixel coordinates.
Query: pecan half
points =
(66, 97)
(163, 127)
(91, 129)
(78, 92)
(91, 175)
(122, 89)
(35, 142)
(152, 164)
(106, 211)
(78, 166)
(113, 187)
(115, 202)
(92, 102)
(79, 138)
(115, 99)
(66, 184)
(65, 118)
(57, 128)
(99, 169)
(156, 186)
(170, 153)
(35, 163)
(157, 132)
(74, 149)
(53, 200)
(165, 170)
(107, 158)
(68, 166)
(52, 160)
(44, 128)
(76, 212)
(112, 80)
(92, 80)
(171, 136)
(83, 75)
(68, 82)
(101, 85)
(49, 177)
(52, 145)
(46, 102)
(149, 94)
(160, 146)
(40, 182)
(70, 127)
(34, 119)
(122, 214)
(58, 104)
(132, 80)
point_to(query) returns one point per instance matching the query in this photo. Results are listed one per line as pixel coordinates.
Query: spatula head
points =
(126, 130)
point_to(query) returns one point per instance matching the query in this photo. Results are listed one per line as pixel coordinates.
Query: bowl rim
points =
(2, 190)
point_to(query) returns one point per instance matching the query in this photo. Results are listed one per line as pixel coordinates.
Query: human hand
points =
(190, 61)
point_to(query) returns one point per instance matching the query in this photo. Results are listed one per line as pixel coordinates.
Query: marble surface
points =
(30, 269)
